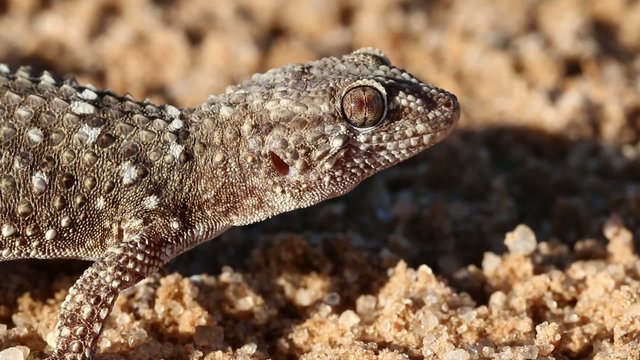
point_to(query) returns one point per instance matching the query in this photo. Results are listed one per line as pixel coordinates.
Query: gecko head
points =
(320, 128)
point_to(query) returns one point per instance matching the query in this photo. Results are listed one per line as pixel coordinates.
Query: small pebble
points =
(522, 240)
(457, 354)
(15, 353)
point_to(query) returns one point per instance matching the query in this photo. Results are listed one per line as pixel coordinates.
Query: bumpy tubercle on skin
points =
(97, 176)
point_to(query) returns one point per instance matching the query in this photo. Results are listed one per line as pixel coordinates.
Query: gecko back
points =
(76, 165)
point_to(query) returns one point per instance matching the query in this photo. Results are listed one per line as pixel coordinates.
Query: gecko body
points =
(86, 173)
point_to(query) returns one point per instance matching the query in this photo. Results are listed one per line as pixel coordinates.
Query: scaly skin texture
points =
(89, 174)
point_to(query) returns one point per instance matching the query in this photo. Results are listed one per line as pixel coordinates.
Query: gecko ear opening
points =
(279, 165)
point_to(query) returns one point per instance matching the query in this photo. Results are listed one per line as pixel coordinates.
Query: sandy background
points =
(514, 239)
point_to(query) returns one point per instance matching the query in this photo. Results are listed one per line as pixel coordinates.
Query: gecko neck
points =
(227, 173)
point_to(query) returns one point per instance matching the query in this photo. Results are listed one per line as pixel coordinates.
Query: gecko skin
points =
(88, 174)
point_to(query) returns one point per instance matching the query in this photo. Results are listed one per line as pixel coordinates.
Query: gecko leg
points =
(90, 300)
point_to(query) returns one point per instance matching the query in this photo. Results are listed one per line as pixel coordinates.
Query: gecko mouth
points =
(409, 143)
(394, 151)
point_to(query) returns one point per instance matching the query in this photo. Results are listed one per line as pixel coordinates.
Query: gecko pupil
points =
(363, 106)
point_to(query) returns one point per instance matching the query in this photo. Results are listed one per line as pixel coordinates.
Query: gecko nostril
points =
(449, 103)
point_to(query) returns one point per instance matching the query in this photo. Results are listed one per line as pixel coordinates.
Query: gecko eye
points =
(363, 106)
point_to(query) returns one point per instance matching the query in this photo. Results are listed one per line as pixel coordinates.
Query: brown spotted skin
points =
(85, 173)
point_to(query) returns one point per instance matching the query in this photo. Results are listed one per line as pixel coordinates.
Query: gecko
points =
(89, 174)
